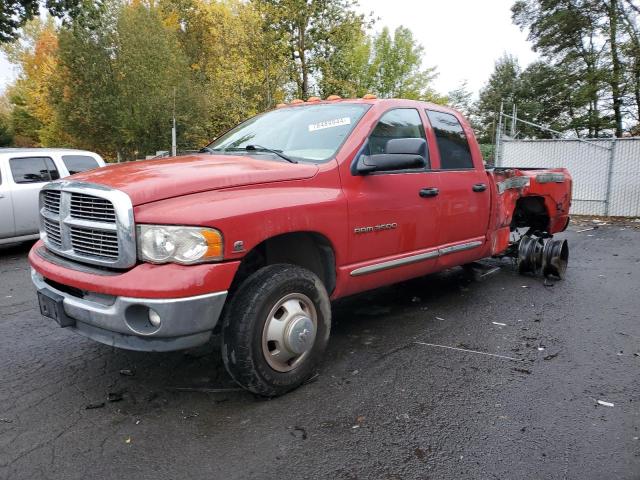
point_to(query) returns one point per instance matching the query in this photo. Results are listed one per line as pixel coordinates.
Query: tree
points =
(501, 89)
(397, 67)
(238, 67)
(309, 28)
(6, 135)
(15, 14)
(583, 36)
(461, 99)
(33, 118)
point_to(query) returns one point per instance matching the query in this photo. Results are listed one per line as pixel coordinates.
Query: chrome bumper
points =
(124, 321)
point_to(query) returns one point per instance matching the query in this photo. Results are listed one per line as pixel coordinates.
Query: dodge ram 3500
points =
(255, 235)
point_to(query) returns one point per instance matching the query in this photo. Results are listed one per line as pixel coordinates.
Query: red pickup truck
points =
(255, 235)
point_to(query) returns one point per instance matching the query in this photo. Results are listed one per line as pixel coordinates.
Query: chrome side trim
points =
(400, 262)
(459, 248)
(394, 263)
(124, 225)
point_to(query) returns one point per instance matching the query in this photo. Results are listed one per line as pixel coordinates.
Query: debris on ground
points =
(127, 440)
(6, 420)
(499, 324)
(295, 430)
(551, 356)
(586, 229)
(439, 318)
(605, 404)
(125, 372)
(523, 370)
(92, 405)
(115, 396)
(206, 389)
(467, 351)
(415, 300)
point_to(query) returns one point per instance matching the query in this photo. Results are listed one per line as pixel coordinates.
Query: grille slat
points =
(88, 207)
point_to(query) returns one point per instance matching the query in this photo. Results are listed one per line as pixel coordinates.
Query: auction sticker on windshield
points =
(338, 122)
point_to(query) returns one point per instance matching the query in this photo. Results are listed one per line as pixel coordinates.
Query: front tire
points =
(276, 329)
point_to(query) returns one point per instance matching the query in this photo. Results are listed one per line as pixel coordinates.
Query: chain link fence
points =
(606, 173)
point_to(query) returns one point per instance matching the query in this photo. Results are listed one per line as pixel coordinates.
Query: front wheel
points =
(276, 329)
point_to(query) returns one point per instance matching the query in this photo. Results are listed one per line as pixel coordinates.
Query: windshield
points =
(309, 133)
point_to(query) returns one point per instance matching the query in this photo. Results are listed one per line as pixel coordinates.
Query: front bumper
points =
(123, 322)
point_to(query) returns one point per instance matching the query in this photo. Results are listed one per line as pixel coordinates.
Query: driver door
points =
(392, 227)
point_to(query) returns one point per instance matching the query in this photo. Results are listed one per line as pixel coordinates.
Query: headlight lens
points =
(186, 245)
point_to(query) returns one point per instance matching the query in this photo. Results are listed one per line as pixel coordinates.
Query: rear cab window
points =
(79, 163)
(33, 170)
(453, 145)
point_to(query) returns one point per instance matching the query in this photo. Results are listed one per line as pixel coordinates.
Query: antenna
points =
(173, 128)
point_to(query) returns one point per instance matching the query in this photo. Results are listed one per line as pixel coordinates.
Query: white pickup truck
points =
(23, 172)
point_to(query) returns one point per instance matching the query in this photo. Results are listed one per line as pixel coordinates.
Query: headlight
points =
(186, 245)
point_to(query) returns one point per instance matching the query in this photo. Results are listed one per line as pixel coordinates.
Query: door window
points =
(79, 163)
(398, 123)
(452, 141)
(33, 170)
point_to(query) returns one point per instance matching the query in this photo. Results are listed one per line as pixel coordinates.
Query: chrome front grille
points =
(88, 223)
(92, 208)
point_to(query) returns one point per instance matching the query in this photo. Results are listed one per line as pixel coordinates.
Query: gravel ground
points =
(390, 401)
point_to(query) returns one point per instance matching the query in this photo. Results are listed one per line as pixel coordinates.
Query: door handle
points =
(479, 187)
(429, 192)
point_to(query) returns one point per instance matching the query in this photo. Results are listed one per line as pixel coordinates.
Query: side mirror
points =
(400, 154)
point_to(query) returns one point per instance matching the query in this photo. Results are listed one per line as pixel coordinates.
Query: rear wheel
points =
(276, 329)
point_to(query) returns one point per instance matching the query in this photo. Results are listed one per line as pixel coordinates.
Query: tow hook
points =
(550, 257)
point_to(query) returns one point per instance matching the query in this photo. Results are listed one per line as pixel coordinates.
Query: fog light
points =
(154, 318)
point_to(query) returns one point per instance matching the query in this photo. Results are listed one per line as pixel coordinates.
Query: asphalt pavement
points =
(557, 398)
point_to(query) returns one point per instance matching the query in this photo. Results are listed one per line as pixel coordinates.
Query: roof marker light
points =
(334, 97)
(370, 96)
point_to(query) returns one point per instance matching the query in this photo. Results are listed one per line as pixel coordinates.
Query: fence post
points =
(612, 155)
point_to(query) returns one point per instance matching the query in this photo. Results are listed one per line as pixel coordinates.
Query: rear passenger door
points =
(464, 195)
(29, 174)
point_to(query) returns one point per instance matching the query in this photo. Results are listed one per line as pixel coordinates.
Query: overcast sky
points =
(462, 38)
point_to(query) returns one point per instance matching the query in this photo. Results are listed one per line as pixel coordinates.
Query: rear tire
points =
(276, 329)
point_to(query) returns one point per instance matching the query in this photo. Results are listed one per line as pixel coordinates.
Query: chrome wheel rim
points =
(289, 332)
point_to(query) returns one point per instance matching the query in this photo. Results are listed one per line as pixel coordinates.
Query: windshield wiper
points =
(270, 150)
(210, 150)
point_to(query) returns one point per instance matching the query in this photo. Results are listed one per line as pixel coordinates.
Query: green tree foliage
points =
(15, 14)
(389, 66)
(6, 134)
(461, 98)
(397, 67)
(109, 82)
(502, 87)
(593, 39)
(117, 84)
(313, 30)
(33, 118)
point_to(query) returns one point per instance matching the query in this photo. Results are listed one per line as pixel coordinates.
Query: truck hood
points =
(152, 180)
